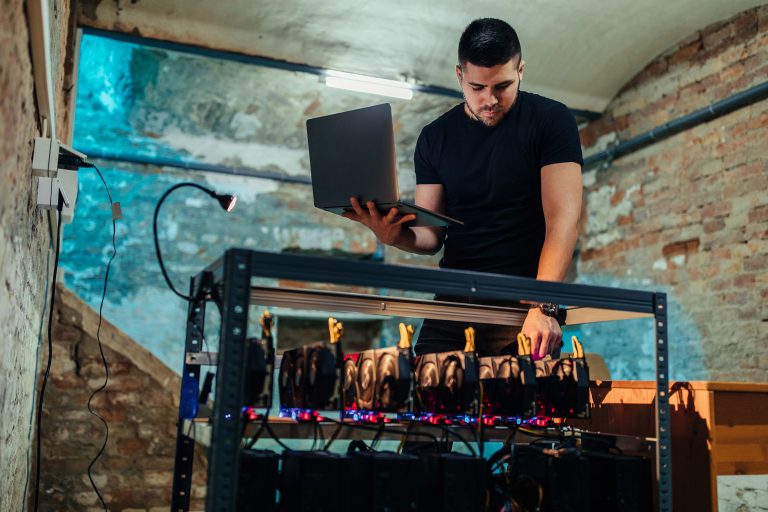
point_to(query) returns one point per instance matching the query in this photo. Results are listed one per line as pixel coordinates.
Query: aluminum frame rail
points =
(228, 281)
(338, 302)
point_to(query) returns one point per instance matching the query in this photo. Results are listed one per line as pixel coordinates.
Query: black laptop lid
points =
(353, 154)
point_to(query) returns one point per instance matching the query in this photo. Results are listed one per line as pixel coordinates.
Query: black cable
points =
(333, 437)
(318, 436)
(322, 436)
(49, 360)
(101, 349)
(314, 436)
(50, 345)
(473, 430)
(256, 435)
(377, 438)
(447, 431)
(221, 198)
(481, 444)
(277, 439)
(40, 330)
(376, 429)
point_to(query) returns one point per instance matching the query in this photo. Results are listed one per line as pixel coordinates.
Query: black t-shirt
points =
(492, 181)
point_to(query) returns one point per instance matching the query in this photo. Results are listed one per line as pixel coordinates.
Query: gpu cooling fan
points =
(349, 382)
(565, 388)
(447, 382)
(260, 361)
(309, 374)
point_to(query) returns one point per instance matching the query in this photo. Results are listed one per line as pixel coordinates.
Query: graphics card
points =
(509, 386)
(260, 361)
(378, 381)
(446, 383)
(564, 385)
(309, 375)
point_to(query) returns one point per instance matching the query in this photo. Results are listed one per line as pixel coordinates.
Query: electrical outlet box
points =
(48, 192)
(68, 182)
(56, 177)
(45, 157)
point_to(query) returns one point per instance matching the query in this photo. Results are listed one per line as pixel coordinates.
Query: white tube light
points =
(368, 84)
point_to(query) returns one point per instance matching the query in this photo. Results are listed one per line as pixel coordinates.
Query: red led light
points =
(433, 420)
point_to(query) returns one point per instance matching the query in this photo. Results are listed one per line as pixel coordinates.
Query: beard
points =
(500, 111)
(487, 122)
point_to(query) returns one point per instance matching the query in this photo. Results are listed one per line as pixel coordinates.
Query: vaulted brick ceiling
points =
(581, 52)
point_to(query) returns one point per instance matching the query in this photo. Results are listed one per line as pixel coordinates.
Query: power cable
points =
(49, 358)
(101, 349)
(40, 331)
(375, 429)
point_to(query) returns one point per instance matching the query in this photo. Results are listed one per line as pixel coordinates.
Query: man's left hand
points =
(544, 331)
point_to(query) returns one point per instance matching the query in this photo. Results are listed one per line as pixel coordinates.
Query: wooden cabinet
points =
(718, 428)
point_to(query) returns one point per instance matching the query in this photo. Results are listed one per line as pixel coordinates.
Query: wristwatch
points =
(548, 308)
(552, 310)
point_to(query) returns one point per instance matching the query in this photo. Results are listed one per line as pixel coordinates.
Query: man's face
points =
(489, 93)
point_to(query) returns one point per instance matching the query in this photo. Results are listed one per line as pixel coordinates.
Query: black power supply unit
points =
(452, 482)
(384, 481)
(580, 481)
(257, 485)
(315, 481)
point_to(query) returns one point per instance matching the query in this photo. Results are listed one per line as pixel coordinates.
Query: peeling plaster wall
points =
(150, 102)
(688, 215)
(24, 238)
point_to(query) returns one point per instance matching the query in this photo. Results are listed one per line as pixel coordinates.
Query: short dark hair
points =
(488, 42)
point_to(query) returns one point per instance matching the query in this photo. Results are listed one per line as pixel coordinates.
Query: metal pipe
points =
(194, 166)
(243, 58)
(274, 63)
(661, 132)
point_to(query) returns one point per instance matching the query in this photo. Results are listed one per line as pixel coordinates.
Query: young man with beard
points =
(508, 164)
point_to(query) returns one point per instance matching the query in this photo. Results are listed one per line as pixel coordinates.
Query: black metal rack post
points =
(231, 279)
(223, 456)
(185, 445)
(663, 430)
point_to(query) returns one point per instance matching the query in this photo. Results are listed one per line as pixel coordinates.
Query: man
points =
(508, 164)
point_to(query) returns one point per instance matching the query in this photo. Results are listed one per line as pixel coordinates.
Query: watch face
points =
(549, 309)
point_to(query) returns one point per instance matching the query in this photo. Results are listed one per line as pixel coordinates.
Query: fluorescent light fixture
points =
(368, 84)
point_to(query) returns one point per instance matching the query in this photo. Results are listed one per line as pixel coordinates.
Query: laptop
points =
(352, 154)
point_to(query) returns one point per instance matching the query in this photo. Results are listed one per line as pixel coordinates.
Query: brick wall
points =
(140, 404)
(24, 237)
(689, 215)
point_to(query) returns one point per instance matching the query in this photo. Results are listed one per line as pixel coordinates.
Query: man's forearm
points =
(420, 240)
(557, 252)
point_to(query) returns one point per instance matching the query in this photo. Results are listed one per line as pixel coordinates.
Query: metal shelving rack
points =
(227, 282)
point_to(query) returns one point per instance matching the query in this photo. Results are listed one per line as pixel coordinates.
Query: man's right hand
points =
(387, 228)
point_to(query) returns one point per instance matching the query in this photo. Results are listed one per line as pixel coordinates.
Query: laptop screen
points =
(353, 154)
